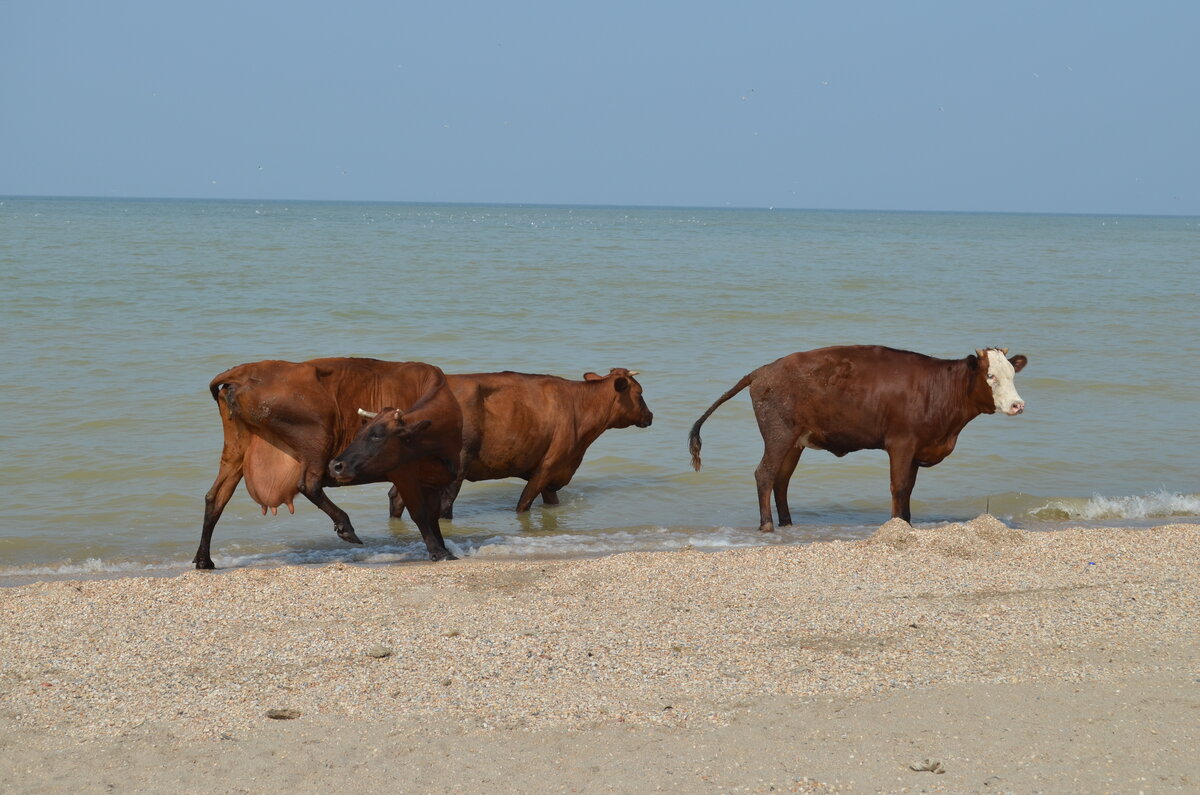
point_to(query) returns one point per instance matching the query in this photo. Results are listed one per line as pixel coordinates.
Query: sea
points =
(117, 313)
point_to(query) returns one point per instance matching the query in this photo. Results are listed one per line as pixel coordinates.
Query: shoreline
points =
(128, 568)
(757, 654)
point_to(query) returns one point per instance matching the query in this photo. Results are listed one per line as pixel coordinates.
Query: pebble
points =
(283, 714)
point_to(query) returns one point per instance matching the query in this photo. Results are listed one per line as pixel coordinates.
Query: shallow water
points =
(117, 314)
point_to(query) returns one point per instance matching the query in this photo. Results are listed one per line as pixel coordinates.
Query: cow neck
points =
(385, 393)
(951, 399)
(594, 415)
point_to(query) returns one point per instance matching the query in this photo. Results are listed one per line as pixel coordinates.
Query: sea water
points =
(117, 313)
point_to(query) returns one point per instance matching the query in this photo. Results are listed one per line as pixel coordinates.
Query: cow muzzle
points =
(1015, 408)
(340, 471)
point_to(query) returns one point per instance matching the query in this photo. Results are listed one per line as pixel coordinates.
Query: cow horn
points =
(1004, 351)
(369, 415)
(635, 372)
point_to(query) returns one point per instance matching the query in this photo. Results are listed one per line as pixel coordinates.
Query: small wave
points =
(1148, 506)
(91, 567)
(612, 542)
(557, 545)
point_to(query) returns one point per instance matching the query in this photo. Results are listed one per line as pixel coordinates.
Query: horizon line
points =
(593, 205)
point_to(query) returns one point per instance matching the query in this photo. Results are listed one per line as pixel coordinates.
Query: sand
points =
(989, 659)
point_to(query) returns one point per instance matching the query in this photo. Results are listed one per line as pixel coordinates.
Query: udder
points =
(271, 475)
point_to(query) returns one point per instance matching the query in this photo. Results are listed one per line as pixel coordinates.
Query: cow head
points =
(629, 408)
(999, 374)
(385, 442)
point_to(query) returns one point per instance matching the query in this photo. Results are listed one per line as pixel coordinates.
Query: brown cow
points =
(536, 427)
(285, 421)
(862, 397)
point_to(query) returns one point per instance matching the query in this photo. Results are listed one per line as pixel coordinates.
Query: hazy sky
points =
(1010, 106)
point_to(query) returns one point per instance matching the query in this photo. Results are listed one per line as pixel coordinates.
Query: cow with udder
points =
(861, 397)
(536, 427)
(284, 422)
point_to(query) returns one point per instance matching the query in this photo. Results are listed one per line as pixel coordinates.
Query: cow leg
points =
(550, 496)
(782, 478)
(395, 504)
(765, 476)
(228, 478)
(424, 504)
(447, 496)
(780, 454)
(904, 477)
(775, 423)
(537, 482)
(310, 487)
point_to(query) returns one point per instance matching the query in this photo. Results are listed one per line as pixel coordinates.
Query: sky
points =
(1062, 107)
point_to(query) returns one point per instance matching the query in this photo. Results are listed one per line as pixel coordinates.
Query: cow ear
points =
(1018, 362)
(621, 383)
(592, 377)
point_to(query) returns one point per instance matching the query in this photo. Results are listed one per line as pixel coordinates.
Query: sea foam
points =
(1100, 508)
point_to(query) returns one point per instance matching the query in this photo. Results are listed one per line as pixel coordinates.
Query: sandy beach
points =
(964, 658)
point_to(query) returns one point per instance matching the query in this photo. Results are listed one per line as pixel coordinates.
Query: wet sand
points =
(1010, 661)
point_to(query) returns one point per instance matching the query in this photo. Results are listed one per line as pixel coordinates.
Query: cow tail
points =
(223, 385)
(694, 437)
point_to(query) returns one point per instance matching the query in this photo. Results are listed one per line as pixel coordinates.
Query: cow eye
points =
(991, 377)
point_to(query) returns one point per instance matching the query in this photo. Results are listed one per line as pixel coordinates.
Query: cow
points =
(535, 427)
(284, 422)
(866, 397)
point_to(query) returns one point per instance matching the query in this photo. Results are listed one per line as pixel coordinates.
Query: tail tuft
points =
(694, 436)
(694, 443)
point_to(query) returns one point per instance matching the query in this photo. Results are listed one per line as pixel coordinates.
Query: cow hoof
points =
(766, 527)
(442, 554)
(346, 533)
(204, 565)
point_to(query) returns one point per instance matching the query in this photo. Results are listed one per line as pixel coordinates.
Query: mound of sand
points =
(983, 537)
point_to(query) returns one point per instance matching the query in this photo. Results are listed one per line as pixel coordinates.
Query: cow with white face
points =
(1001, 377)
(867, 397)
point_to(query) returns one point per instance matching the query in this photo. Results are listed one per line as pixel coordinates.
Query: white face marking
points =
(1001, 376)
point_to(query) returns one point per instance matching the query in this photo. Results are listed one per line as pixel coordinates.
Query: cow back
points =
(515, 423)
(850, 398)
